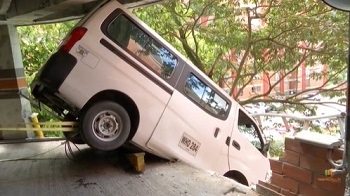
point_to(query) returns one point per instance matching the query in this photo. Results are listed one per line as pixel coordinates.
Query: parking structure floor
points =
(43, 168)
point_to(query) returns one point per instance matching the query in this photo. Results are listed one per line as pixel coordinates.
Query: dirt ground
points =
(43, 168)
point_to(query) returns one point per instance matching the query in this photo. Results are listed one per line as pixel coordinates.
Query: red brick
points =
(288, 193)
(314, 164)
(319, 151)
(334, 185)
(276, 166)
(297, 173)
(292, 144)
(309, 190)
(305, 148)
(284, 182)
(270, 186)
(290, 157)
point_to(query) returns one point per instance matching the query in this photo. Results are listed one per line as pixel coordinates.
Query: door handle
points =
(236, 145)
(216, 133)
(228, 140)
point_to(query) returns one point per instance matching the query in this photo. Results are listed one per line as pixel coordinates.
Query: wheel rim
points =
(107, 125)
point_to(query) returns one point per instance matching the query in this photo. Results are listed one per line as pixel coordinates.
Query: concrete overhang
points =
(29, 12)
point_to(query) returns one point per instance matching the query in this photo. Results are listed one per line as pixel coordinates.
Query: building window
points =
(277, 76)
(257, 77)
(256, 89)
(307, 73)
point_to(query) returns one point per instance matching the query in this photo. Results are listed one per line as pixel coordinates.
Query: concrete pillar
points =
(13, 108)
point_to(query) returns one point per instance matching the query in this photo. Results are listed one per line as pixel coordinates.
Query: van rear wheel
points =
(105, 126)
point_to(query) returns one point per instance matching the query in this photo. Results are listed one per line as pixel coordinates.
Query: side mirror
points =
(343, 5)
(266, 147)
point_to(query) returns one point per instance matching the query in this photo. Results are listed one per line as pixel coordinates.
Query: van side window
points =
(248, 128)
(206, 97)
(129, 36)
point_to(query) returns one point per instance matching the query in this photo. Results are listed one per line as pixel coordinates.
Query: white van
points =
(125, 84)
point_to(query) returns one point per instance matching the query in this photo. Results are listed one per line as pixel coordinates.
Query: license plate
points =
(189, 144)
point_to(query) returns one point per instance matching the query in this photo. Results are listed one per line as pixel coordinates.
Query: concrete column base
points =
(13, 108)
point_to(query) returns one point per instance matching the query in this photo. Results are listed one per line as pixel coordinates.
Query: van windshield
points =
(250, 130)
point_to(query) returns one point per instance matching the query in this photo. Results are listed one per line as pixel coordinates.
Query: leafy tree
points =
(264, 37)
(37, 43)
(222, 36)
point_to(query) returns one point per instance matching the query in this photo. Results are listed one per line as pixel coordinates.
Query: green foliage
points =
(221, 38)
(276, 148)
(37, 44)
(51, 133)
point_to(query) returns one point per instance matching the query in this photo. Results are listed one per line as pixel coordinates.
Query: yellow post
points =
(35, 121)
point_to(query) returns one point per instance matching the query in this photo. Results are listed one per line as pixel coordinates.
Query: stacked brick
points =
(301, 172)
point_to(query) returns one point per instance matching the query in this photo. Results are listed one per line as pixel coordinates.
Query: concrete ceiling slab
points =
(24, 12)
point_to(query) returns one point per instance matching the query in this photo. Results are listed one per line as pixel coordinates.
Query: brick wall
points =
(301, 172)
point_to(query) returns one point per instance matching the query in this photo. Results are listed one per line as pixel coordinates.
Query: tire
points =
(105, 126)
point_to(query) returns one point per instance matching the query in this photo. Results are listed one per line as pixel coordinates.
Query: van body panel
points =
(82, 84)
(253, 158)
(180, 122)
(182, 113)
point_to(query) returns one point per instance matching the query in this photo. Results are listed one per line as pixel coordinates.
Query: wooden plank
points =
(65, 126)
(61, 123)
(63, 129)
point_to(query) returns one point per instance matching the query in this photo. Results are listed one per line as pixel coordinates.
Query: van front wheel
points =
(105, 126)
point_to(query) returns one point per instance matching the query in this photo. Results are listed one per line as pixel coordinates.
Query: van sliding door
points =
(190, 128)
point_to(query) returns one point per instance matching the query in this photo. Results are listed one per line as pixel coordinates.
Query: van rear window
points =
(136, 41)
